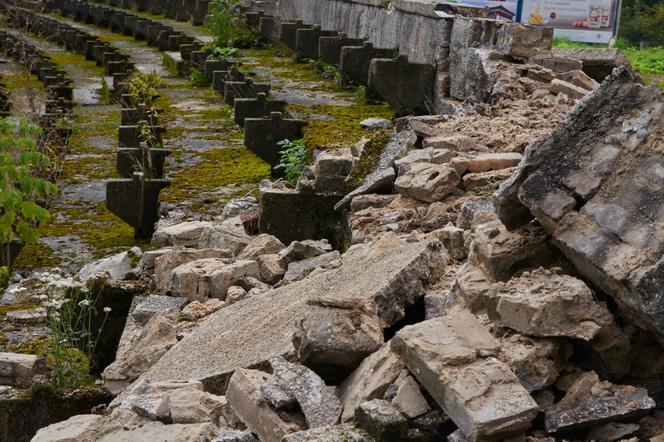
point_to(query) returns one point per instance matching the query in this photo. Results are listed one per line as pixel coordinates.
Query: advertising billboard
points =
(591, 21)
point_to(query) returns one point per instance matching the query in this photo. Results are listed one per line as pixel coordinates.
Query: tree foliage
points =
(22, 191)
(642, 21)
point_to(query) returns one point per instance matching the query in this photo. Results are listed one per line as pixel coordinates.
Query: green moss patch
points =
(369, 158)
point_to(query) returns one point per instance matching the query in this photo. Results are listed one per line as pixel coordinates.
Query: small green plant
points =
(21, 188)
(293, 155)
(197, 78)
(325, 70)
(4, 276)
(105, 92)
(76, 325)
(145, 86)
(218, 52)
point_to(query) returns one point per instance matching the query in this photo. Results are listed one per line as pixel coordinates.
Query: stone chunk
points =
(375, 123)
(337, 332)
(335, 433)
(118, 266)
(69, 430)
(30, 316)
(164, 264)
(227, 435)
(298, 250)
(499, 250)
(154, 341)
(269, 269)
(156, 304)
(370, 380)
(381, 420)
(19, 369)
(408, 398)
(319, 405)
(427, 182)
(545, 303)
(485, 162)
(452, 356)
(153, 431)
(196, 310)
(300, 269)
(210, 277)
(200, 235)
(589, 402)
(244, 396)
(174, 402)
(569, 89)
(262, 244)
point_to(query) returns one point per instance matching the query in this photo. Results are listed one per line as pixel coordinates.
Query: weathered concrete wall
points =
(410, 26)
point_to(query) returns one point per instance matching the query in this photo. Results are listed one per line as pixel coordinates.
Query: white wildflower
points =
(84, 303)
(107, 310)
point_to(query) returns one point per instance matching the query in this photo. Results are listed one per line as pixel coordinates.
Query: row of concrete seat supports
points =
(140, 157)
(406, 86)
(140, 161)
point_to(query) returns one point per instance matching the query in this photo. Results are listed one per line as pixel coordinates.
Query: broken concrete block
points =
(455, 143)
(571, 90)
(337, 332)
(164, 264)
(381, 420)
(300, 269)
(262, 244)
(598, 63)
(546, 303)
(68, 430)
(228, 435)
(557, 63)
(156, 304)
(499, 250)
(535, 362)
(260, 327)
(485, 162)
(200, 235)
(299, 250)
(580, 79)
(19, 369)
(427, 182)
(335, 433)
(174, 402)
(156, 338)
(582, 191)
(118, 266)
(370, 380)
(245, 398)
(209, 277)
(269, 269)
(196, 310)
(261, 136)
(589, 402)
(523, 41)
(452, 356)
(383, 175)
(408, 398)
(318, 403)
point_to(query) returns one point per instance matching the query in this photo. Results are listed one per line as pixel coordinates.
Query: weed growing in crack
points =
(293, 155)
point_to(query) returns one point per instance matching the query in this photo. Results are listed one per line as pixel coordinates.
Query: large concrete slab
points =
(249, 333)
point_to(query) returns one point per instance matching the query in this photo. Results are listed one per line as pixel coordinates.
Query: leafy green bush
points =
(293, 155)
(222, 20)
(145, 86)
(197, 78)
(21, 189)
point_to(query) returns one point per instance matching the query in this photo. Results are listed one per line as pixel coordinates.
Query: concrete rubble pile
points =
(501, 279)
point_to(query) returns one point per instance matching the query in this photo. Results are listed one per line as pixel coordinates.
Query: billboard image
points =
(592, 21)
